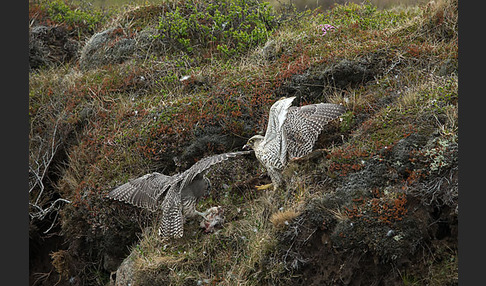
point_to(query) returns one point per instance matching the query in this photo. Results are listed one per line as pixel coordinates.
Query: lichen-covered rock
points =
(106, 47)
(402, 152)
(50, 45)
(124, 274)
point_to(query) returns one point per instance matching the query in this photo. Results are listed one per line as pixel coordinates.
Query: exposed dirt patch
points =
(341, 75)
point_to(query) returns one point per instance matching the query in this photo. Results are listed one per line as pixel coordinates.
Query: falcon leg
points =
(203, 214)
(189, 208)
(276, 176)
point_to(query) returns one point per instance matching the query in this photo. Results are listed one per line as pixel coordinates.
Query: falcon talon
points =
(203, 214)
(263, 187)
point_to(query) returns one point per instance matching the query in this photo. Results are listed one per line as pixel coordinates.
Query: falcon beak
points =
(246, 146)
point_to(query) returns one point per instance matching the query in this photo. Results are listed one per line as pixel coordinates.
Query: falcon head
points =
(253, 142)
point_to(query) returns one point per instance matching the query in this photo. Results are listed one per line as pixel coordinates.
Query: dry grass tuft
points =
(60, 261)
(283, 218)
(339, 214)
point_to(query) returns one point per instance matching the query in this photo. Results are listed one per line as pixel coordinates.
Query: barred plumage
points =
(181, 191)
(291, 133)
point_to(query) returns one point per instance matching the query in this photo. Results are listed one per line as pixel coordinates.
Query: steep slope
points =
(376, 204)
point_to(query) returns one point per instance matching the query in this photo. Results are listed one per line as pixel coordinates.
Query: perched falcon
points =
(291, 133)
(181, 193)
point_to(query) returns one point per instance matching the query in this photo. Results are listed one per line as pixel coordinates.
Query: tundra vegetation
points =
(118, 93)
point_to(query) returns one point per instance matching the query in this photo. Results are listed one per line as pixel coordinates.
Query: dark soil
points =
(356, 247)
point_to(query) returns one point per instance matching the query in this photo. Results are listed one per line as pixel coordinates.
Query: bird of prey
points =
(181, 192)
(291, 134)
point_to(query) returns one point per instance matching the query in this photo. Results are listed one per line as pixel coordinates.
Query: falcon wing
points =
(276, 118)
(144, 191)
(205, 163)
(275, 141)
(171, 224)
(304, 124)
(172, 219)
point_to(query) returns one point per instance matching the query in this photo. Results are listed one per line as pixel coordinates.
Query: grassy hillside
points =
(157, 87)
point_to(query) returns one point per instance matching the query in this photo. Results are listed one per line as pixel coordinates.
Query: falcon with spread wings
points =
(291, 133)
(175, 196)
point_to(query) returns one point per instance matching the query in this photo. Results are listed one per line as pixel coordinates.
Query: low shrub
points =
(226, 28)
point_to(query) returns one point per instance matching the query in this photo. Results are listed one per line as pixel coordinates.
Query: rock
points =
(374, 174)
(447, 67)
(106, 47)
(124, 274)
(402, 152)
(50, 45)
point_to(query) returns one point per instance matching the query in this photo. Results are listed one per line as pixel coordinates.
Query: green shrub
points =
(224, 27)
(362, 17)
(85, 21)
